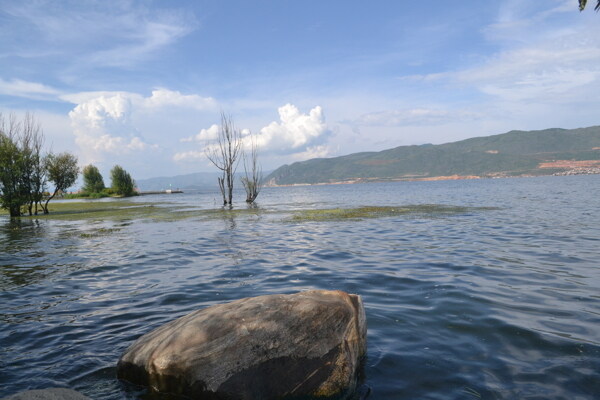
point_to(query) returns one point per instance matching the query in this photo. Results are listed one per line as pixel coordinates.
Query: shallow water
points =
(493, 304)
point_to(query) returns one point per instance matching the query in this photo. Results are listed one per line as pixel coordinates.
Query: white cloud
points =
(159, 98)
(297, 134)
(191, 155)
(294, 132)
(83, 97)
(110, 122)
(542, 61)
(103, 125)
(320, 151)
(141, 41)
(412, 117)
(105, 34)
(545, 74)
(524, 22)
(204, 135)
(165, 97)
(30, 90)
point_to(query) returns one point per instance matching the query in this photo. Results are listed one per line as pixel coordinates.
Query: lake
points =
(494, 303)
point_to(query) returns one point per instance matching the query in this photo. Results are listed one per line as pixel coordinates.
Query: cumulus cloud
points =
(159, 98)
(107, 122)
(294, 132)
(103, 125)
(165, 97)
(204, 135)
(297, 134)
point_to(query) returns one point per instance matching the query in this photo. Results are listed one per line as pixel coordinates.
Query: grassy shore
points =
(127, 210)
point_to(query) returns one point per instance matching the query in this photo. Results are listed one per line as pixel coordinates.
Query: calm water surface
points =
(495, 304)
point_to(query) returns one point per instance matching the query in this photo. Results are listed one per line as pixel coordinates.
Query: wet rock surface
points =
(307, 344)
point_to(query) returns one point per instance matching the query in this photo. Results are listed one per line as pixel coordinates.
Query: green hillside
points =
(516, 153)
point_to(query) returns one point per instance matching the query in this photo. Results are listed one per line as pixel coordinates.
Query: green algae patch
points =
(164, 212)
(358, 213)
(99, 233)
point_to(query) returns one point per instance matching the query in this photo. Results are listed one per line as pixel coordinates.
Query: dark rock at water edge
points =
(307, 344)
(48, 394)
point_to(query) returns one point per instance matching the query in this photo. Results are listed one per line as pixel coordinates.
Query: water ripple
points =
(497, 304)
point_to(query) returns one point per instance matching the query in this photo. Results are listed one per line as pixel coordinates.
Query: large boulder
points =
(307, 344)
(48, 394)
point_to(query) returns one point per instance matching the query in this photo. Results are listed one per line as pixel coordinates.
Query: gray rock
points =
(48, 394)
(268, 347)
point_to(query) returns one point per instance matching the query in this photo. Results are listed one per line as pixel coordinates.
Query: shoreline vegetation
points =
(97, 195)
(150, 211)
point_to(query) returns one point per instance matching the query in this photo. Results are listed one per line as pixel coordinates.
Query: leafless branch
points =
(252, 180)
(224, 154)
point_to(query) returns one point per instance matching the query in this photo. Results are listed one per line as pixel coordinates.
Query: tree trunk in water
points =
(229, 177)
(230, 187)
(222, 187)
(48, 201)
(15, 211)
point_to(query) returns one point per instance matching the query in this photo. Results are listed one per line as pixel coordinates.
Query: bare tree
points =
(224, 153)
(32, 143)
(254, 179)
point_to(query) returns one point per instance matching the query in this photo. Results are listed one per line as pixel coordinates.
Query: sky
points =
(143, 84)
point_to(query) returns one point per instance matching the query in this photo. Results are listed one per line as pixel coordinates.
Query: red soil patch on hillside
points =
(570, 164)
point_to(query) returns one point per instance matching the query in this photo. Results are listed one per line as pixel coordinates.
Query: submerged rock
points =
(48, 394)
(268, 347)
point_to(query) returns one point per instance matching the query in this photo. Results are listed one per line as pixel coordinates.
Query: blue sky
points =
(142, 83)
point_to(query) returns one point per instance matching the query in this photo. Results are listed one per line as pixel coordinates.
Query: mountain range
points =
(515, 153)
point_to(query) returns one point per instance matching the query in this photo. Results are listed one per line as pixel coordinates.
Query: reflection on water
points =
(494, 304)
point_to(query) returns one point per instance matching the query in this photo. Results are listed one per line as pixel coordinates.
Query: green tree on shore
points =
(121, 182)
(62, 171)
(13, 191)
(22, 165)
(92, 179)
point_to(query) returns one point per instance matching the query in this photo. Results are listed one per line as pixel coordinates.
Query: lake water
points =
(493, 304)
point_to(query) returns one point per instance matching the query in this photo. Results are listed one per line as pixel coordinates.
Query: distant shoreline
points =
(571, 172)
(168, 191)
